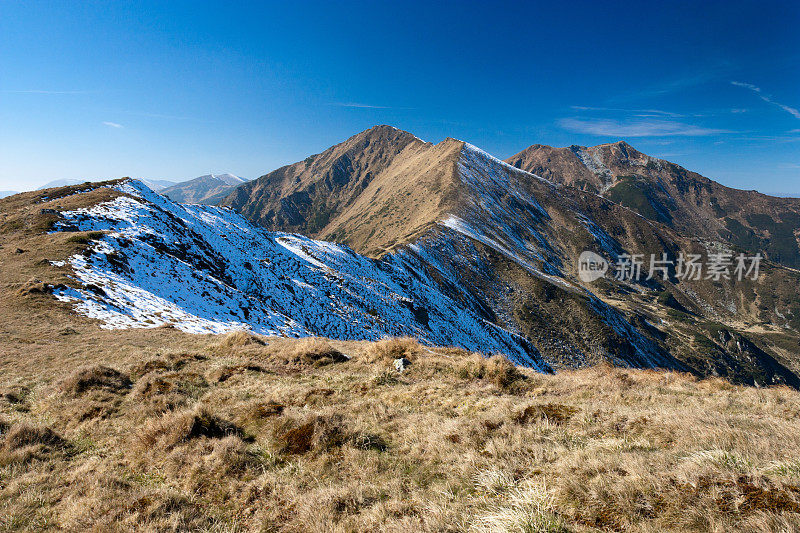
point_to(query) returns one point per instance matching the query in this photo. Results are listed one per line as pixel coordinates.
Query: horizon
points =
(166, 92)
(220, 173)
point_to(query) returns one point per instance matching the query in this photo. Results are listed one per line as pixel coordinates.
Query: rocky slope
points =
(512, 239)
(477, 253)
(670, 194)
(371, 192)
(210, 189)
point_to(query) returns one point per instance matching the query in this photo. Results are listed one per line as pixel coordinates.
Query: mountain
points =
(284, 434)
(512, 239)
(670, 194)
(442, 242)
(368, 192)
(209, 189)
(3, 194)
(156, 185)
(204, 269)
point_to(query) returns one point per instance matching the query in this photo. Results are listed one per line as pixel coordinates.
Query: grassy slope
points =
(232, 434)
(198, 432)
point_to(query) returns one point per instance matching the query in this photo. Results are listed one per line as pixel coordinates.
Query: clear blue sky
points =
(174, 90)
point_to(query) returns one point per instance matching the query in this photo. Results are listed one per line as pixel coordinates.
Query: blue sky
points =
(173, 90)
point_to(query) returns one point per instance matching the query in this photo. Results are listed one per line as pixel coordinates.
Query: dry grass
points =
(455, 443)
(243, 433)
(387, 350)
(95, 377)
(175, 427)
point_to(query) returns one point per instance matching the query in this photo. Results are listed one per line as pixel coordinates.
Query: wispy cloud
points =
(113, 125)
(722, 69)
(767, 98)
(636, 128)
(362, 106)
(646, 112)
(39, 91)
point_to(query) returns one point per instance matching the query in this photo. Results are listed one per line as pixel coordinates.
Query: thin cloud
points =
(113, 125)
(721, 69)
(38, 91)
(791, 110)
(636, 128)
(645, 112)
(361, 106)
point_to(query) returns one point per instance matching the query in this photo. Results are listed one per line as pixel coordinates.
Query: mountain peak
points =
(384, 131)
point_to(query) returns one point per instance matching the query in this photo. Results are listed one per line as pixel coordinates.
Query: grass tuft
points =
(95, 377)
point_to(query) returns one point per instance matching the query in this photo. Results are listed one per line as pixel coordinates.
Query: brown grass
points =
(387, 350)
(496, 369)
(24, 434)
(456, 443)
(173, 428)
(315, 352)
(460, 442)
(95, 377)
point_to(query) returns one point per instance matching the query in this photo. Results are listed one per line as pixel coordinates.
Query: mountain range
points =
(667, 193)
(209, 189)
(385, 234)
(156, 185)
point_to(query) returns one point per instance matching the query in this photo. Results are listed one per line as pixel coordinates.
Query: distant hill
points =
(210, 189)
(156, 185)
(3, 194)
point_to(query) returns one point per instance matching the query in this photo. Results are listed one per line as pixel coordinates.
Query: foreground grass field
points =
(160, 430)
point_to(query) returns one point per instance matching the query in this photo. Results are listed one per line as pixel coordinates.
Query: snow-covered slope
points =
(206, 269)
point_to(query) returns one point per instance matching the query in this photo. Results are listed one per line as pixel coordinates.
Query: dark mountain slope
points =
(667, 193)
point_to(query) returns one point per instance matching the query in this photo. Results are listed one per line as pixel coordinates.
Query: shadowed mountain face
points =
(209, 190)
(504, 243)
(667, 193)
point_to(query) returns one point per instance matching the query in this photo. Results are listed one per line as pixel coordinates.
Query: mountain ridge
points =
(668, 193)
(209, 189)
(499, 244)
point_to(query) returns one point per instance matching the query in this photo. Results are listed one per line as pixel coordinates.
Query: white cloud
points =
(636, 128)
(40, 91)
(113, 125)
(362, 106)
(791, 110)
(639, 112)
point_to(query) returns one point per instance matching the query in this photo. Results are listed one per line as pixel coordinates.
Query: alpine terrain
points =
(393, 335)
(667, 193)
(209, 189)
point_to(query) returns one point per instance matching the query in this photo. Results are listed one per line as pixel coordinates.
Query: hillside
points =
(667, 193)
(161, 430)
(210, 189)
(370, 192)
(118, 408)
(512, 241)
